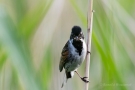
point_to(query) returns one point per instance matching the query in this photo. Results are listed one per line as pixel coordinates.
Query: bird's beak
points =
(76, 38)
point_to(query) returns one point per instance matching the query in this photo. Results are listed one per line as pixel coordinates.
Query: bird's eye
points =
(80, 34)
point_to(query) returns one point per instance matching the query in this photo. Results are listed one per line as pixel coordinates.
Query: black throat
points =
(78, 45)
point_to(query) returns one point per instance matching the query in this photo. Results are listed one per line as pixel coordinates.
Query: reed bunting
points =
(73, 54)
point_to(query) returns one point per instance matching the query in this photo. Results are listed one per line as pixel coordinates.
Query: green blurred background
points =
(33, 33)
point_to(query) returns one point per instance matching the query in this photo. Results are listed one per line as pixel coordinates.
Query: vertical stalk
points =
(89, 35)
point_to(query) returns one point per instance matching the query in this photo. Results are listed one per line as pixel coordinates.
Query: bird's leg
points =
(82, 78)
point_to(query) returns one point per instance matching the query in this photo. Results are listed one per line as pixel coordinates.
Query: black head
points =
(76, 33)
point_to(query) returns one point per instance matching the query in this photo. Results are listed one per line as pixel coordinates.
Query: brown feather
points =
(64, 56)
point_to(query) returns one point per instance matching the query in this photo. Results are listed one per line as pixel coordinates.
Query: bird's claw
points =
(84, 79)
(88, 52)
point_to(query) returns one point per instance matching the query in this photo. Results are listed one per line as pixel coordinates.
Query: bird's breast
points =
(75, 58)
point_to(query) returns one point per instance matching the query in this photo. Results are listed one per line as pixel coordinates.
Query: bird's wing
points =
(64, 56)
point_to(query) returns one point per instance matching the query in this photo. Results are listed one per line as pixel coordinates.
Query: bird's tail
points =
(67, 76)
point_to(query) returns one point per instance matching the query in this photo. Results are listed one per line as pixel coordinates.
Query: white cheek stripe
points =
(72, 74)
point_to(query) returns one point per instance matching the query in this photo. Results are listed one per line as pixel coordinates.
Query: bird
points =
(73, 54)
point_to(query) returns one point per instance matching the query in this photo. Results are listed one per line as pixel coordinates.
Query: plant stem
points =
(89, 35)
